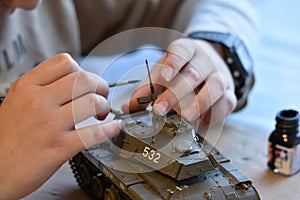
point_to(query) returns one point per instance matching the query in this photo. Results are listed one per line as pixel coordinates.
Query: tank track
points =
(92, 182)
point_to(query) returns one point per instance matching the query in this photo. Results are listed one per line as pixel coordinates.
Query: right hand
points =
(37, 123)
(190, 68)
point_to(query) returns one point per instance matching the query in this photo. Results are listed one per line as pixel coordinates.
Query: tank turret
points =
(167, 144)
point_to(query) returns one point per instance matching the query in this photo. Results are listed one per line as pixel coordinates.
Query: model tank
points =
(158, 157)
(166, 165)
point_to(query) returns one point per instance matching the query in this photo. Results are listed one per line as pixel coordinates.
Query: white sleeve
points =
(237, 17)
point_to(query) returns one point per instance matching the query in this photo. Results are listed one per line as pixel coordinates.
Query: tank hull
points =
(222, 182)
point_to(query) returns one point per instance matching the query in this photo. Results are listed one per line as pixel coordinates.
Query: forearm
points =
(231, 16)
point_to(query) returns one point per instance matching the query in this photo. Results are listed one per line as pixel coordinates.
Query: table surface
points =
(245, 135)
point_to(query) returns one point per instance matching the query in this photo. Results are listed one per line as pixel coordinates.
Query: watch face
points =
(244, 58)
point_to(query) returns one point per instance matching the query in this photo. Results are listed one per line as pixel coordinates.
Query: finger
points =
(190, 77)
(83, 138)
(213, 89)
(178, 54)
(142, 91)
(82, 108)
(221, 109)
(77, 84)
(133, 104)
(179, 89)
(159, 84)
(51, 70)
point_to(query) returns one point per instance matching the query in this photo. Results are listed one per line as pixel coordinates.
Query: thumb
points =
(84, 138)
(133, 104)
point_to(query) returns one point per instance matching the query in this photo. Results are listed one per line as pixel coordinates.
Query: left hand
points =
(190, 67)
(38, 118)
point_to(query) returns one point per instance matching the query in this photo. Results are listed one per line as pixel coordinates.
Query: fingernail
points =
(120, 122)
(190, 113)
(167, 73)
(161, 108)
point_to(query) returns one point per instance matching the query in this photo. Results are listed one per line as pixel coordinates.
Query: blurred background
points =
(278, 50)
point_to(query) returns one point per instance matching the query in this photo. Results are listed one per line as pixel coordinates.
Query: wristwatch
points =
(236, 57)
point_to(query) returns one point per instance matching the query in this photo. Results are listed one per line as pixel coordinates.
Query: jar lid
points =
(287, 119)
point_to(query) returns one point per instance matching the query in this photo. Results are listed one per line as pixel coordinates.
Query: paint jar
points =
(284, 147)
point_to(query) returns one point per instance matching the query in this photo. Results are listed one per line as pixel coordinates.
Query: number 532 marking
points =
(151, 154)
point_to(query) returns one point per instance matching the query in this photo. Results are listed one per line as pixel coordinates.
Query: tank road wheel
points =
(97, 186)
(111, 194)
(85, 176)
